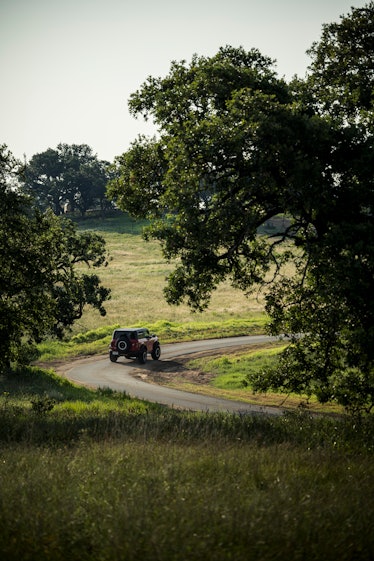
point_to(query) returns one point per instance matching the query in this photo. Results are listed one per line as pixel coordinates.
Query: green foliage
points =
(42, 293)
(138, 169)
(42, 405)
(232, 150)
(70, 174)
(239, 146)
(341, 62)
(331, 299)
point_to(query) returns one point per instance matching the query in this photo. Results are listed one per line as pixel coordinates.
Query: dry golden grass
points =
(136, 275)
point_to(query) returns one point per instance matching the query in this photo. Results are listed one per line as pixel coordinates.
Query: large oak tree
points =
(238, 146)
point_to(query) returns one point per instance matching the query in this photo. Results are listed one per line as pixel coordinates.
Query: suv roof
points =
(130, 329)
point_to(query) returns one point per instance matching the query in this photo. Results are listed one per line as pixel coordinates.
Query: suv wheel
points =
(143, 355)
(156, 352)
(112, 357)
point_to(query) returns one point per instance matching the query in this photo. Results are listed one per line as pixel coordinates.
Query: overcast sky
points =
(68, 67)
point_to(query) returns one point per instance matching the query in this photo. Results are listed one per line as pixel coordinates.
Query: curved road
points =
(119, 376)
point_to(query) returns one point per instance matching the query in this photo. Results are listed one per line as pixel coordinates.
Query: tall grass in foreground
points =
(148, 499)
(94, 475)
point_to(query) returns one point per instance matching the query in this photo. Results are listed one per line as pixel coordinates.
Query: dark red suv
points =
(134, 342)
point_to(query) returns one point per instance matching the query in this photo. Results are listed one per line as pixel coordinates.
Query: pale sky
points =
(68, 67)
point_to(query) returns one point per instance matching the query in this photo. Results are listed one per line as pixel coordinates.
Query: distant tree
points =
(70, 173)
(101, 174)
(85, 176)
(238, 146)
(41, 291)
(44, 180)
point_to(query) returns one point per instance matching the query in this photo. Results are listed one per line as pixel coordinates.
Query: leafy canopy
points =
(69, 174)
(235, 150)
(228, 136)
(238, 146)
(41, 291)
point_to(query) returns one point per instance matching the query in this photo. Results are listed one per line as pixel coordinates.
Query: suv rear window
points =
(130, 334)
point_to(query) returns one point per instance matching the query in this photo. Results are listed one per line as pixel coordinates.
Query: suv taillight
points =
(113, 344)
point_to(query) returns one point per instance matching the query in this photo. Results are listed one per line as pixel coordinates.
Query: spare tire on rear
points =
(123, 344)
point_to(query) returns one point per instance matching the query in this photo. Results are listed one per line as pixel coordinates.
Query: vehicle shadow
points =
(164, 371)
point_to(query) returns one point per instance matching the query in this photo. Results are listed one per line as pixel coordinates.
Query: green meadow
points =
(136, 274)
(97, 476)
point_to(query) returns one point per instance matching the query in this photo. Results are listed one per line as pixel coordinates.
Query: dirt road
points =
(130, 376)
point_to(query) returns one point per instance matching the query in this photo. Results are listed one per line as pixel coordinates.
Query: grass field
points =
(136, 275)
(96, 476)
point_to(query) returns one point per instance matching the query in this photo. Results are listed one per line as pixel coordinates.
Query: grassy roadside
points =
(97, 341)
(225, 375)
